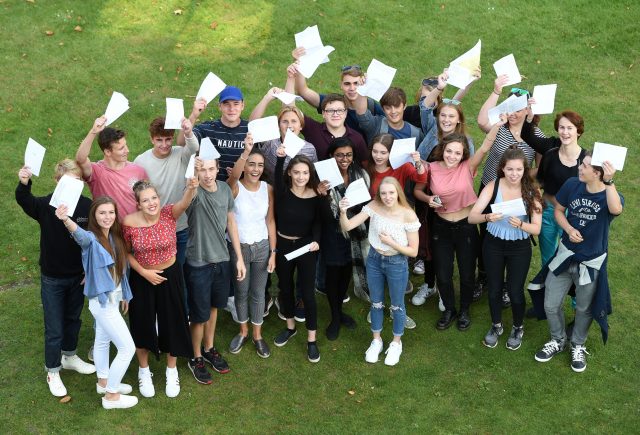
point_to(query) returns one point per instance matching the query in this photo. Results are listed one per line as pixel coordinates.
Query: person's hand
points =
(314, 246)
(499, 83)
(248, 143)
(292, 70)
(271, 264)
(442, 80)
(515, 222)
(24, 174)
(492, 217)
(192, 183)
(323, 187)
(343, 204)
(575, 236)
(124, 306)
(187, 127)
(434, 204)
(503, 120)
(198, 107)
(198, 163)
(298, 52)
(476, 73)
(415, 156)
(386, 239)
(609, 171)
(61, 212)
(271, 93)
(99, 124)
(242, 270)
(153, 276)
(280, 151)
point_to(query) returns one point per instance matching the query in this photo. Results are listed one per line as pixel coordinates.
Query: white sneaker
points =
(371, 355)
(75, 363)
(122, 389)
(418, 267)
(56, 386)
(123, 402)
(409, 323)
(172, 388)
(424, 291)
(231, 307)
(146, 384)
(393, 353)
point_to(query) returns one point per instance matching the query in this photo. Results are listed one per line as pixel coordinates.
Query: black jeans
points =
(337, 283)
(515, 256)
(459, 239)
(305, 266)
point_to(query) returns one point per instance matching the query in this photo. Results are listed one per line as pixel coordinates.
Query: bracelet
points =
(439, 89)
(521, 223)
(273, 251)
(497, 93)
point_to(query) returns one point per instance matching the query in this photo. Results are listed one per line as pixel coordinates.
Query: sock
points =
(142, 371)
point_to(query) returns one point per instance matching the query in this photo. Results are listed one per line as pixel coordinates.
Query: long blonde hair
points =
(402, 199)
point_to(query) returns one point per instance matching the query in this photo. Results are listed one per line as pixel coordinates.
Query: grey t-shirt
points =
(167, 174)
(207, 216)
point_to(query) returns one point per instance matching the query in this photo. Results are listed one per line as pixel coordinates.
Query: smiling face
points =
(119, 152)
(567, 132)
(149, 201)
(513, 171)
(394, 113)
(349, 86)
(299, 174)
(231, 110)
(162, 146)
(388, 194)
(380, 154)
(105, 216)
(331, 117)
(289, 121)
(517, 117)
(344, 157)
(448, 120)
(453, 153)
(253, 168)
(208, 173)
(586, 173)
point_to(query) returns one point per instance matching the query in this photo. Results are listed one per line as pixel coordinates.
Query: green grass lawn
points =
(53, 87)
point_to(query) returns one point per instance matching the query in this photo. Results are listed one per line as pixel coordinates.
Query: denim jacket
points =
(430, 131)
(96, 262)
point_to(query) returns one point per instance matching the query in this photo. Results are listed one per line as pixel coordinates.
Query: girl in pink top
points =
(451, 183)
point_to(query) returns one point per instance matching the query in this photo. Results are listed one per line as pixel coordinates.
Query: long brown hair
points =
(530, 190)
(313, 177)
(438, 152)
(384, 139)
(119, 254)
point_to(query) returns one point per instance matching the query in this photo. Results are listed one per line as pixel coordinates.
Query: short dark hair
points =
(330, 98)
(339, 142)
(574, 117)
(393, 97)
(156, 128)
(108, 136)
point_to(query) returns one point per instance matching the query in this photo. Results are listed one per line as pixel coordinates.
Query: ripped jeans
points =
(393, 270)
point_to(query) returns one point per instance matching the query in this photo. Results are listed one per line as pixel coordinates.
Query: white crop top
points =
(250, 210)
(397, 230)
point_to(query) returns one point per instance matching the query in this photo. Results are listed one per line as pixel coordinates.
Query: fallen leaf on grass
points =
(177, 12)
(78, 28)
(31, 1)
(61, 44)
(9, 109)
(161, 69)
(612, 73)
(65, 399)
(351, 392)
(23, 258)
(49, 131)
(49, 33)
(178, 45)
(214, 25)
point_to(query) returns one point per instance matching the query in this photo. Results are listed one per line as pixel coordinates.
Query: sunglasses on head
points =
(449, 101)
(430, 81)
(350, 67)
(520, 92)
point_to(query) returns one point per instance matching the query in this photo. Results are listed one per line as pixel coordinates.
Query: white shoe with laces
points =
(393, 353)
(418, 267)
(146, 384)
(56, 386)
(172, 388)
(423, 293)
(372, 354)
(74, 362)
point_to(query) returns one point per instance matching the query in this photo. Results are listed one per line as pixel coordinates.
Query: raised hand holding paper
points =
(292, 144)
(401, 152)
(210, 87)
(507, 65)
(33, 156)
(191, 167)
(68, 191)
(461, 70)
(510, 105)
(606, 152)
(379, 78)
(357, 192)
(264, 129)
(175, 113)
(545, 96)
(328, 171)
(315, 52)
(118, 104)
(286, 97)
(207, 150)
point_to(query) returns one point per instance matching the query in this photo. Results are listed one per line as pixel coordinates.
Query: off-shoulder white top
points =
(397, 231)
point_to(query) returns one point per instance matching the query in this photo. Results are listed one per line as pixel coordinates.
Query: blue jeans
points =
(62, 303)
(550, 233)
(394, 270)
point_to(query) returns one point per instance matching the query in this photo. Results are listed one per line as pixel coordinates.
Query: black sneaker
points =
(464, 321)
(333, 331)
(200, 372)
(549, 350)
(216, 360)
(284, 336)
(446, 319)
(261, 348)
(578, 358)
(506, 300)
(313, 353)
(299, 311)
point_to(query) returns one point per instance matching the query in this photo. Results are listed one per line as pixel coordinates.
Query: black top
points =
(552, 173)
(412, 115)
(540, 144)
(297, 217)
(60, 255)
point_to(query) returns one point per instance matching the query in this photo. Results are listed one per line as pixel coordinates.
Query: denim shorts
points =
(208, 287)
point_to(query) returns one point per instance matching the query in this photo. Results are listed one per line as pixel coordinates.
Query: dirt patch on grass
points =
(17, 284)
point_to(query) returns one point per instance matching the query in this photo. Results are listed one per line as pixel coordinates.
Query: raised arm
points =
(491, 102)
(432, 97)
(346, 223)
(301, 88)
(82, 155)
(238, 167)
(24, 197)
(462, 92)
(198, 107)
(261, 107)
(189, 193)
(477, 158)
(614, 203)
(539, 143)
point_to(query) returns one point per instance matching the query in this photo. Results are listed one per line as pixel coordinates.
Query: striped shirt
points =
(229, 141)
(504, 139)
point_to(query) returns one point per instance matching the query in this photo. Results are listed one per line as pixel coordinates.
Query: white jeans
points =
(111, 327)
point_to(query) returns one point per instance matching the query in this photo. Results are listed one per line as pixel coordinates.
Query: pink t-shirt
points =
(454, 186)
(118, 184)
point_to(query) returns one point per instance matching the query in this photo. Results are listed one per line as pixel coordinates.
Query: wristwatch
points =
(608, 182)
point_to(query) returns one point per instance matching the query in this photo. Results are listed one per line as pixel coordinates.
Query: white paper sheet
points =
(33, 156)
(515, 207)
(507, 65)
(287, 98)
(401, 152)
(459, 76)
(379, 78)
(118, 104)
(310, 39)
(298, 252)
(68, 191)
(545, 96)
(191, 167)
(211, 86)
(208, 151)
(264, 129)
(615, 154)
(175, 113)
(328, 171)
(292, 144)
(510, 105)
(309, 63)
(357, 192)
(461, 69)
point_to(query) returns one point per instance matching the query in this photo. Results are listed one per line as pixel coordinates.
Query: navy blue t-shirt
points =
(403, 133)
(229, 141)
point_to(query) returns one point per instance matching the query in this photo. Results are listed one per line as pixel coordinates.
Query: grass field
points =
(52, 87)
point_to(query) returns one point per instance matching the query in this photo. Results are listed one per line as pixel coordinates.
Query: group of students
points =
(172, 251)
